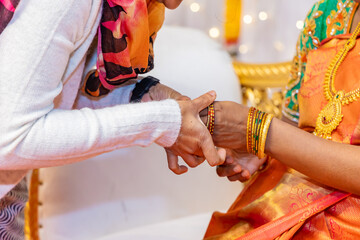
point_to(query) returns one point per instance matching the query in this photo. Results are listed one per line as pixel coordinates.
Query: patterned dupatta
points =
(7, 9)
(125, 43)
(126, 34)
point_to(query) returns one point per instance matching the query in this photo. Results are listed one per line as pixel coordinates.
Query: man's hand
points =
(161, 92)
(239, 165)
(194, 143)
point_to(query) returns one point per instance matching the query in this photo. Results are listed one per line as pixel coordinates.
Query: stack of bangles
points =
(210, 124)
(258, 124)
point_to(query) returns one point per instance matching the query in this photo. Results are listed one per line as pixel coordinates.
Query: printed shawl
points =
(126, 34)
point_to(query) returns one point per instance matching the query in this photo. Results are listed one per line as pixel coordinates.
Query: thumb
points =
(204, 100)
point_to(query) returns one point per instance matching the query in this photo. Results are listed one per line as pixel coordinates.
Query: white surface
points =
(189, 228)
(192, 63)
(133, 187)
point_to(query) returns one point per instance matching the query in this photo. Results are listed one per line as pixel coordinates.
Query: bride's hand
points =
(239, 165)
(230, 124)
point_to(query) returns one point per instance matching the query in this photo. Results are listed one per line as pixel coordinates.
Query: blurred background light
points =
(263, 16)
(195, 7)
(248, 19)
(214, 32)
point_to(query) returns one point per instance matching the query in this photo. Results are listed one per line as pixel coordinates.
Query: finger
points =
(200, 159)
(204, 100)
(228, 170)
(222, 154)
(229, 156)
(239, 177)
(191, 160)
(229, 159)
(246, 174)
(173, 163)
(210, 153)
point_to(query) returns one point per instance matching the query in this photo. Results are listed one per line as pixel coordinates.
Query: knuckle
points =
(172, 168)
(219, 171)
(231, 179)
(212, 164)
(193, 164)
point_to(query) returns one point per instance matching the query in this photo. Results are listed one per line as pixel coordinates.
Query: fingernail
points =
(245, 174)
(229, 160)
(237, 168)
(212, 93)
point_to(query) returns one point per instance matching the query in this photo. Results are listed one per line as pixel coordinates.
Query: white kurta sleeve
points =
(120, 95)
(43, 40)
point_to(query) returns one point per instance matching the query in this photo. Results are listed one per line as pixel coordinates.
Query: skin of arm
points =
(330, 163)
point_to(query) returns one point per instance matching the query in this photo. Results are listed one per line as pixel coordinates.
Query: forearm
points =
(65, 136)
(330, 163)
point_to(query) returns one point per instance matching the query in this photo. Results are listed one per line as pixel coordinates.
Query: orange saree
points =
(281, 203)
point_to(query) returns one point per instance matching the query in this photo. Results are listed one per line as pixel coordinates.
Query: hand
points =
(230, 124)
(161, 92)
(239, 165)
(194, 143)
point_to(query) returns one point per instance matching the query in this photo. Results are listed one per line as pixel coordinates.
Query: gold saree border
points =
(31, 228)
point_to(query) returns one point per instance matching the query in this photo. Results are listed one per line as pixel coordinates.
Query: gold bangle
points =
(211, 118)
(260, 136)
(264, 133)
(248, 129)
(259, 131)
(259, 128)
(256, 114)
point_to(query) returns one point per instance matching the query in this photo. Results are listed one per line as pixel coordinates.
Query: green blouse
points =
(327, 18)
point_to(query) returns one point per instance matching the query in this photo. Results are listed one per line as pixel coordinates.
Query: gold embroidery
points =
(338, 20)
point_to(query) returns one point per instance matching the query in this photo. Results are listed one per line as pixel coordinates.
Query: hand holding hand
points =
(239, 165)
(194, 143)
(230, 124)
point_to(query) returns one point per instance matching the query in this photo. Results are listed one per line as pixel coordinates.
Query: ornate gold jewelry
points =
(249, 129)
(263, 135)
(330, 116)
(211, 119)
(258, 124)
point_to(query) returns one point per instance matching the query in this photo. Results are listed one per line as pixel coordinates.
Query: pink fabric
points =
(8, 5)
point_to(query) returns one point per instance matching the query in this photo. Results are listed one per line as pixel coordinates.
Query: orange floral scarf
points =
(125, 43)
(7, 9)
(126, 34)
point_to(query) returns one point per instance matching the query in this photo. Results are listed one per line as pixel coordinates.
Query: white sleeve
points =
(35, 51)
(120, 95)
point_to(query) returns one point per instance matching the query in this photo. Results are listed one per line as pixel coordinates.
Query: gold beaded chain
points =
(330, 116)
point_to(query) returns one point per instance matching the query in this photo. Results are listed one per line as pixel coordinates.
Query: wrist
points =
(142, 89)
(230, 125)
